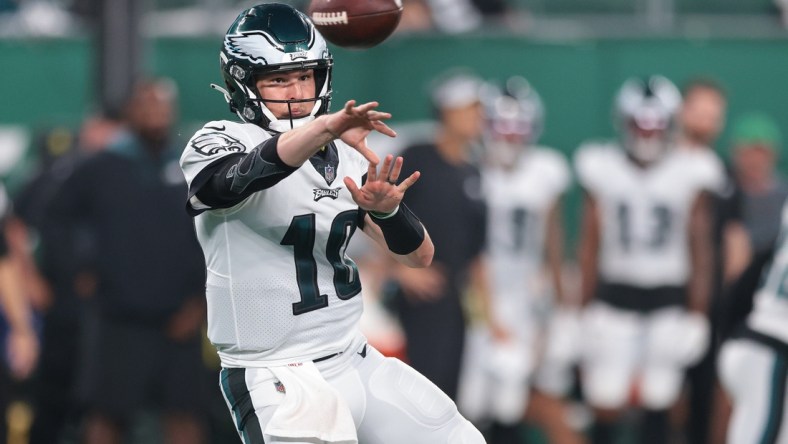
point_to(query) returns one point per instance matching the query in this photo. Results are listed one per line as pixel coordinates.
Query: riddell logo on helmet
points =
(298, 55)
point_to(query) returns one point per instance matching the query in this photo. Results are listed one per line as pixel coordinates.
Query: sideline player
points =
(523, 185)
(753, 365)
(645, 257)
(274, 222)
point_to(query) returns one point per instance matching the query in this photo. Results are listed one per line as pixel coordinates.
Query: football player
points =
(645, 257)
(523, 185)
(753, 365)
(276, 198)
(21, 345)
(701, 121)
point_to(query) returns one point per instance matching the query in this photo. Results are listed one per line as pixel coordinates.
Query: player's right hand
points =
(353, 123)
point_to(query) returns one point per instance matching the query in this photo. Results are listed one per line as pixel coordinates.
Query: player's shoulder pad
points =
(553, 164)
(549, 157)
(216, 139)
(706, 167)
(592, 160)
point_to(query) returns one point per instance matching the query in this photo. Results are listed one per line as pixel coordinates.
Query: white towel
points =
(311, 407)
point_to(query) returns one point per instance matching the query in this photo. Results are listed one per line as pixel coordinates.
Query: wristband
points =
(401, 229)
(380, 216)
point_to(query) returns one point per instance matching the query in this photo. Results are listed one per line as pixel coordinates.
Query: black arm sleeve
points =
(234, 178)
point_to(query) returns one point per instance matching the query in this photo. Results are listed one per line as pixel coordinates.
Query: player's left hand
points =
(381, 193)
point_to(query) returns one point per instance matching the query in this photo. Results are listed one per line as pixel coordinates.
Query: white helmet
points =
(645, 113)
(514, 117)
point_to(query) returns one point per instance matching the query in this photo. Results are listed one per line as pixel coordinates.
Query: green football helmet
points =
(269, 38)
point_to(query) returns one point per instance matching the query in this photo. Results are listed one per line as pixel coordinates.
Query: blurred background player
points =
(703, 114)
(645, 256)
(20, 344)
(754, 149)
(143, 342)
(753, 364)
(426, 298)
(523, 184)
(58, 297)
(701, 121)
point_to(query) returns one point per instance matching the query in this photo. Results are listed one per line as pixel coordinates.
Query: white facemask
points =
(647, 150)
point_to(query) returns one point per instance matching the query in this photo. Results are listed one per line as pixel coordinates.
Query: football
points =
(355, 23)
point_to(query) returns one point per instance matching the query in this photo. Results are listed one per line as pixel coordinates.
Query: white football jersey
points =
(519, 201)
(280, 287)
(645, 212)
(770, 310)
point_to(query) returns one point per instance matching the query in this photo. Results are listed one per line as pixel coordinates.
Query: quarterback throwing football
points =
(276, 199)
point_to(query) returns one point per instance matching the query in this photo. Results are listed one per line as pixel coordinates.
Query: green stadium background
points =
(49, 81)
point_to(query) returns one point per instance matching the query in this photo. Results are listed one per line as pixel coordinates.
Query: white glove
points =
(680, 337)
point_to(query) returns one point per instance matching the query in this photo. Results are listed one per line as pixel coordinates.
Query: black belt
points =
(642, 300)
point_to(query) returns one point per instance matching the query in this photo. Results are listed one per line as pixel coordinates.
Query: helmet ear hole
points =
(249, 113)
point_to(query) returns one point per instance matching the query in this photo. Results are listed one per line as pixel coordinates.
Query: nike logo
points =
(217, 128)
(363, 351)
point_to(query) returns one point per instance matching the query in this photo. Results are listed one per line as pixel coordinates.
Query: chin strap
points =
(283, 125)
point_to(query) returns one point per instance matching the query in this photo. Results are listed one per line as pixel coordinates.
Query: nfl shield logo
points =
(329, 173)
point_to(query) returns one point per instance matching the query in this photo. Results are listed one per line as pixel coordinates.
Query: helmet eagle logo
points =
(251, 46)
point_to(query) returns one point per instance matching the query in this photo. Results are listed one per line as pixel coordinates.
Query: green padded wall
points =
(48, 81)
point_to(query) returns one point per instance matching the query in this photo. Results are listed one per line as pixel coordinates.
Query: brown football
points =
(355, 23)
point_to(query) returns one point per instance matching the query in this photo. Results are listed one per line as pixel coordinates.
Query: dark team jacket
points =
(448, 200)
(143, 248)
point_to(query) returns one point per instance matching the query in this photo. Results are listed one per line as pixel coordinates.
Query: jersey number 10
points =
(301, 236)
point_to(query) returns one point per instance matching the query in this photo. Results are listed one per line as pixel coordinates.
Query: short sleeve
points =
(214, 141)
(710, 174)
(207, 148)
